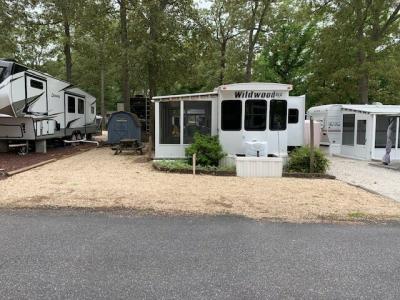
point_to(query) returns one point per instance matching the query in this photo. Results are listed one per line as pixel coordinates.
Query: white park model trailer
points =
(238, 113)
(36, 107)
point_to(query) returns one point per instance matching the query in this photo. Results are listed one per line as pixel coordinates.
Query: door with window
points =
(36, 95)
(361, 137)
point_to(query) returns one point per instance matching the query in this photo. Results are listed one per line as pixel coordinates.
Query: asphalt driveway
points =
(82, 255)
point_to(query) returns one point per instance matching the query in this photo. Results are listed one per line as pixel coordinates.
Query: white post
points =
(194, 163)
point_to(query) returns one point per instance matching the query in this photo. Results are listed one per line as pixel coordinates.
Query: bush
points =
(182, 165)
(207, 148)
(299, 161)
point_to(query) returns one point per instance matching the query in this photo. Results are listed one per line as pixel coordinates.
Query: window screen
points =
(382, 124)
(36, 84)
(255, 118)
(92, 109)
(71, 104)
(197, 118)
(170, 127)
(277, 115)
(348, 129)
(231, 115)
(81, 106)
(361, 132)
(293, 116)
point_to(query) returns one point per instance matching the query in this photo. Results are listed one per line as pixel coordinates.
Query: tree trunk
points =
(222, 62)
(102, 104)
(152, 69)
(250, 57)
(363, 79)
(67, 46)
(124, 58)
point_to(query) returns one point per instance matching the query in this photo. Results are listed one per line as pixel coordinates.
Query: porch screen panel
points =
(170, 129)
(361, 132)
(382, 124)
(197, 118)
(348, 129)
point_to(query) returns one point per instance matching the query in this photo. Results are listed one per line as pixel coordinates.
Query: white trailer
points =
(330, 118)
(360, 131)
(237, 113)
(35, 106)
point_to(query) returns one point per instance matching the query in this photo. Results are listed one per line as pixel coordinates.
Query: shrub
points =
(207, 148)
(299, 161)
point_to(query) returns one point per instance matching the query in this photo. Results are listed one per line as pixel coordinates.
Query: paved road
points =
(78, 255)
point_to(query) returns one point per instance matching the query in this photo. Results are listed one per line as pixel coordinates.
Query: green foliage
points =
(207, 148)
(183, 165)
(299, 161)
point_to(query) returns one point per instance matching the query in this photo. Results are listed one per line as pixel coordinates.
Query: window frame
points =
(207, 115)
(247, 115)
(239, 128)
(69, 110)
(176, 121)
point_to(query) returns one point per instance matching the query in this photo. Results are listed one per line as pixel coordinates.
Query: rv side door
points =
(36, 95)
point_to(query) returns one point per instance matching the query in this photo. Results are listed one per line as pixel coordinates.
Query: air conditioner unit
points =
(256, 148)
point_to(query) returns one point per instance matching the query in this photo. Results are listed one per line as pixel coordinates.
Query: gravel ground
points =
(99, 179)
(358, 172)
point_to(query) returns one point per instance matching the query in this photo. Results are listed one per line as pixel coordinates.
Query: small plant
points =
(299, 161)
(207, 148)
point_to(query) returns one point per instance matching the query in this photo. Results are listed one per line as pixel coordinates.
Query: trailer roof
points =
(183, 97)
(256, 86)
(374, 109)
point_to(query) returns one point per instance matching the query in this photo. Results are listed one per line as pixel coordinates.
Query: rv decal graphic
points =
(30, 101)
(67, 87)
(256, 95)
(55, 96)
(72, 121)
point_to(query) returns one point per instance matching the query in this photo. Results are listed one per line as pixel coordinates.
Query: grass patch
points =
(357, 215)
(182, 166)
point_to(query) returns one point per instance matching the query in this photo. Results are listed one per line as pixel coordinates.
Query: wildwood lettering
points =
(253, 94)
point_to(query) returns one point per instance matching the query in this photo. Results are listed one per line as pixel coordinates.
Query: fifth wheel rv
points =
(35, 106)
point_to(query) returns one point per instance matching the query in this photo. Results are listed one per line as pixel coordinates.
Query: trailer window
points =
(255, 117)
(36, 84)
(170, 126)
(81, 106)
(382, 125)
(293, 116)
(2, 73)
(231, 115)
(71, 104)
(19, 69)
(348, 129)
(92, 110)
(197, 118)
(278, 115)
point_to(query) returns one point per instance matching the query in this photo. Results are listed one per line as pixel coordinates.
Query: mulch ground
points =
(12, 161)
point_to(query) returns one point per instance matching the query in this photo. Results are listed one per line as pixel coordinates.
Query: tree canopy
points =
(334, 51)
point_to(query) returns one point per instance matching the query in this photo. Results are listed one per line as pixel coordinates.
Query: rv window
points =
(19, 69)
(197, 118)
(71, 104)
(255, 117)
(348, 129)
(92, 109)
(81, 106)
(382, 124)
(231, 115)
(2, 73)
(36, 84)
(170, 127)
(277, 115)
(293, 117)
